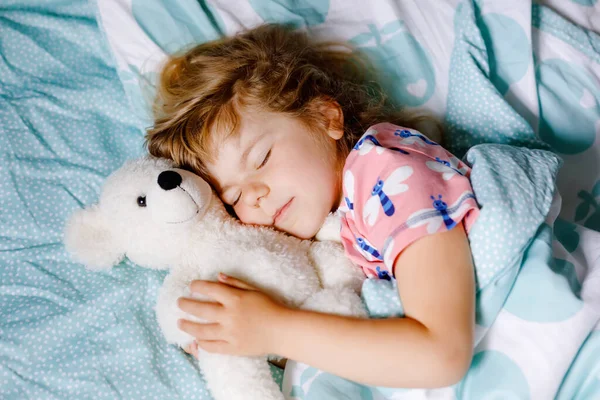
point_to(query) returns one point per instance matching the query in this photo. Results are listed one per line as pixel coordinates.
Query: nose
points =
(254, 193)
(168, 180)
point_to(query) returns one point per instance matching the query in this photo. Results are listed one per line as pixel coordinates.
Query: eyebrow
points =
(244, 157)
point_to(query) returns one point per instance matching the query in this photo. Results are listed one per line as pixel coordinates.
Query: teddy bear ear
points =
(90, 241)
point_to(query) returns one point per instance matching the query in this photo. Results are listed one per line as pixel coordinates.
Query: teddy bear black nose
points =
(168, 180)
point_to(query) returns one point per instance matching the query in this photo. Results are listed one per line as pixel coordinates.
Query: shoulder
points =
(381, 132)
(395, 138)
(385, 145)
(378, 167)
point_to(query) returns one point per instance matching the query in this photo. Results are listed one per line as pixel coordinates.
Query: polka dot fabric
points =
(477, 112)
(381, 298)
(514, 188)
(65, 124)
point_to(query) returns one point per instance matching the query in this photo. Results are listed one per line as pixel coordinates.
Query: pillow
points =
(401, 38)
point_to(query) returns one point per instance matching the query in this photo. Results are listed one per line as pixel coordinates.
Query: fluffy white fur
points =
(187, 230)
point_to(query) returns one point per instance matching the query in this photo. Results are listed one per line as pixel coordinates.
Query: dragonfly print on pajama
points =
(398, 187)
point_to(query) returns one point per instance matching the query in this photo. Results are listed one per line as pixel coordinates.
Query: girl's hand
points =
(242, 318)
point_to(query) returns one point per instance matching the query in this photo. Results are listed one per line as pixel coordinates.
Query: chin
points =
(306, 231)
(296, 233)
(305, 236)
(304, 228)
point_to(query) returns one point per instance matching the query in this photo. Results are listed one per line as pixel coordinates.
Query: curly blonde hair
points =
(272, 68)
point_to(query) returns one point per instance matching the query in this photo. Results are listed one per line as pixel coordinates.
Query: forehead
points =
(235, 137)
(237, 127)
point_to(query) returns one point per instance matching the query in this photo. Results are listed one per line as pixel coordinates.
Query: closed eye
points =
(267, 156)
(237, 199)
(262, 164)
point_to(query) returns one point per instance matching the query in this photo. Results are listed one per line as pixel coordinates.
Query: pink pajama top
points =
(398, 187)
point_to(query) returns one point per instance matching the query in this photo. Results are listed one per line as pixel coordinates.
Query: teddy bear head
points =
(146, 212)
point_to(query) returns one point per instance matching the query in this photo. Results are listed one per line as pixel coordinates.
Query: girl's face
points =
(275, 172)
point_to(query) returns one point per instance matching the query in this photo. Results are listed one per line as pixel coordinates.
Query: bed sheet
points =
(65, 124)
(68, 86)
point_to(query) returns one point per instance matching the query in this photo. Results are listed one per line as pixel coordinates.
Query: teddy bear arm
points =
(167, 311)
(334, 268)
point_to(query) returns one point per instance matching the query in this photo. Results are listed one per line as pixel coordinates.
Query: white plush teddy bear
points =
(166, 218)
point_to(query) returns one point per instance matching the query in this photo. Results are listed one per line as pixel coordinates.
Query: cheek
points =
(251, 216)
(321, 173)
(241, 212)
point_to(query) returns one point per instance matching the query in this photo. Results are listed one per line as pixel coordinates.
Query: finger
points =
(201, 331)
(214, 346)
(234, 282)
(215, 290)
(192, 349)
(206, 310)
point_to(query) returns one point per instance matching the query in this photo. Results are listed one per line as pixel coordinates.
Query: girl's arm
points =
(431, 347)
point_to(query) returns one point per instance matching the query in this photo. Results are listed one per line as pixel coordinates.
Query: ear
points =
(90, 241)
(334, 115)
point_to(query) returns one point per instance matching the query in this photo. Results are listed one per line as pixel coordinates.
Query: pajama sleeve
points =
(396, 192)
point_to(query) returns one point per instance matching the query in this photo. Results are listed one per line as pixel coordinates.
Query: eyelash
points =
(265, 160)
(259, 167)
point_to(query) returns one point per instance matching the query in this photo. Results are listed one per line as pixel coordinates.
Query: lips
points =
(280, 214)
